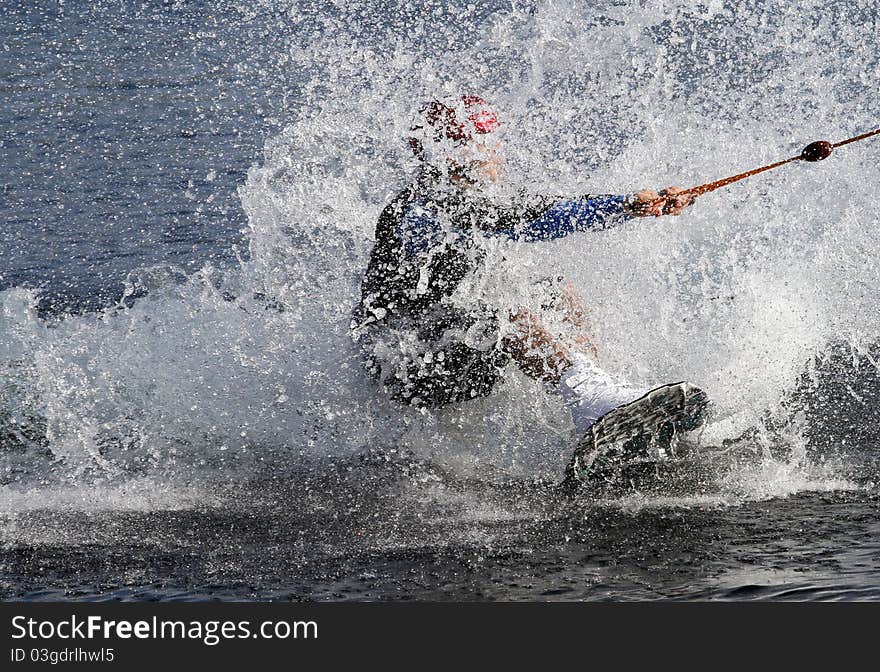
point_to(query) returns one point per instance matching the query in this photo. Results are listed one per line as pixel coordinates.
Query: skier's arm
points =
(560, 217)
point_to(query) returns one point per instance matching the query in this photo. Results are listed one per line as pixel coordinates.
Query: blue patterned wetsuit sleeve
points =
(418, 230)
(570, 216)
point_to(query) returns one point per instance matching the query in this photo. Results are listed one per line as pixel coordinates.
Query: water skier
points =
(425, 336)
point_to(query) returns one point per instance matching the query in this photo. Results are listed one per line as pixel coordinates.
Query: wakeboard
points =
(642, 431)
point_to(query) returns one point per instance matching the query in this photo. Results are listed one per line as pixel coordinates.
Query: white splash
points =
(231, 370)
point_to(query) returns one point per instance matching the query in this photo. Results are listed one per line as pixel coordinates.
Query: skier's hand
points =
(650, 203)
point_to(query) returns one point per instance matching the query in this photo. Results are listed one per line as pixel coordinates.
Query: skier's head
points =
(453, 135)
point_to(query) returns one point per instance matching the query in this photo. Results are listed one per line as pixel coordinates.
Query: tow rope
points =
(815, 151)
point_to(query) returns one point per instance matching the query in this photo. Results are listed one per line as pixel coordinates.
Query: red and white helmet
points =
(445, 126)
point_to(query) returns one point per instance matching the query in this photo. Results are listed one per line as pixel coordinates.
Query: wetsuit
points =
(426, 350)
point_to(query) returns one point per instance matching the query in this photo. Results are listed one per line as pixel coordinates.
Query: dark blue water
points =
(127, 131)
(273, 540)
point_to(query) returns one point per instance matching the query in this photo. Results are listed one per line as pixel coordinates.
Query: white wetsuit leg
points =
(590, 392)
